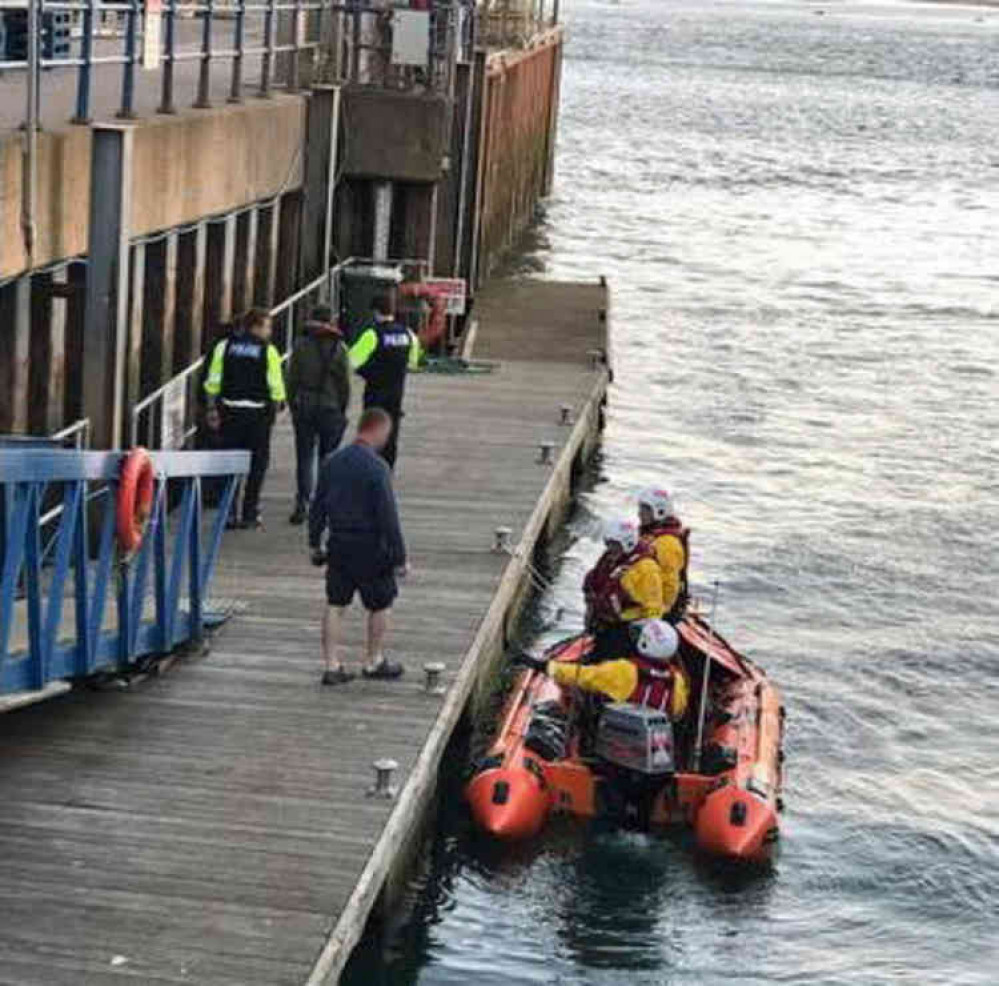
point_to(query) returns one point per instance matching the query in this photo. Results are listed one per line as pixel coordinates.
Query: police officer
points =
(245, 388)
(382, 354)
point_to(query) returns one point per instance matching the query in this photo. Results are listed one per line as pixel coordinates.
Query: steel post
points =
(204, 100)
(127, 111)
(170, 45)
(106, 306)
(85, 74)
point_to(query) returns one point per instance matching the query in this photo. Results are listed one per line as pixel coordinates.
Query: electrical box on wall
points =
(411, 37)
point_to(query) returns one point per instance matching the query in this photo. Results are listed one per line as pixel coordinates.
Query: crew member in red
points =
(650, 674)
(625, 585)
(663, 532)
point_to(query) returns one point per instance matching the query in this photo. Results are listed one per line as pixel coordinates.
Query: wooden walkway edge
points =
(488, 644)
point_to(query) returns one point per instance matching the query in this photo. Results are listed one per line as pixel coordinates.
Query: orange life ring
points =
(136, 487)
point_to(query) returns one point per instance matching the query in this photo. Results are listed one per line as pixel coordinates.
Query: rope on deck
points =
(454, 364)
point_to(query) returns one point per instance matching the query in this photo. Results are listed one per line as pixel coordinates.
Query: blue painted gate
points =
(62, 572)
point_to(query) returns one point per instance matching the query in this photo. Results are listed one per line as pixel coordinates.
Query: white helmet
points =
(624, 531)
(658, 501)
(657, 640)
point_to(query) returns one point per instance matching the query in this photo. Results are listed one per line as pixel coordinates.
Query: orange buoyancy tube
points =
(136, 487)
(509, 795)
(739, 818)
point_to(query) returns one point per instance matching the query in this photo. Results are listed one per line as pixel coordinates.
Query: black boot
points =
(298, 515)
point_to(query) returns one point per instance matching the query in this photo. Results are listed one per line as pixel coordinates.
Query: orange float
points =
(728, 790)
(136, 488)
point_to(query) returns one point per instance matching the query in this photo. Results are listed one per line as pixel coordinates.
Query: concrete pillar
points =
(384, 194)
(319, 176)
(285, 280)
(265, 266)
(15, 333)
(75, 310)
(190, 311)
(415, 223)
(106, 307)
(136, 309)
(245, 260)
(159, 305)
(219, 265)
(478, 205)
(46, 377)
(468, 198)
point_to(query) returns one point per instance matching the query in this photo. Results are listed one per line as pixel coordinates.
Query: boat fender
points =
(737, 814)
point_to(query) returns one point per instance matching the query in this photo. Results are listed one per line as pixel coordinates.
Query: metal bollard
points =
(546, 453)
(383, 779)
(565, 414)
(501, 543)
(434, 670)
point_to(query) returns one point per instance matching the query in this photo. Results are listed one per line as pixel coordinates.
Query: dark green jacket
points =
(318, 371)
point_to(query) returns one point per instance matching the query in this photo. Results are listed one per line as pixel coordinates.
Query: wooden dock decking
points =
(211, 825)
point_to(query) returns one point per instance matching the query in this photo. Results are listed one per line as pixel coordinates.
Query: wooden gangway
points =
(211, 824)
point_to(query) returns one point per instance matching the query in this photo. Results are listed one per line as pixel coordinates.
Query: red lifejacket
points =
(655, 684)
(605, 595)
(676, 529)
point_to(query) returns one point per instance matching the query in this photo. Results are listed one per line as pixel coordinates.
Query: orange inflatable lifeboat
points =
(720, 774)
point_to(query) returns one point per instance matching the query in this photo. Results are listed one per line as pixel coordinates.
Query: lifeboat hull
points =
(729, 795)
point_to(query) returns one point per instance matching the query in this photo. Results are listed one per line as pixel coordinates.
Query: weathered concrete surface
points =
(211, 826)
(186, 167)
(394, 135)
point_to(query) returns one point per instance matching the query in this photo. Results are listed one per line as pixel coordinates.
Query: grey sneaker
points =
(386, 671)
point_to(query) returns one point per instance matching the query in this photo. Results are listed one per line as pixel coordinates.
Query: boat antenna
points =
(705, 679)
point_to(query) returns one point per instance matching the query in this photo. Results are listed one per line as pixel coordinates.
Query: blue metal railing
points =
(160, 37)
(112, 624)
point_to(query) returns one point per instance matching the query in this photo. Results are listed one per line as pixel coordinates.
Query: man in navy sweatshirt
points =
(365, 551)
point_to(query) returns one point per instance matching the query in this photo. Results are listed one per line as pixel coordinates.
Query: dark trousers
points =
(393, 405)
(249, 428)
(321, 427)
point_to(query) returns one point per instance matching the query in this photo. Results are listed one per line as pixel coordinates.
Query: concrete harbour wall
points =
(226, 208)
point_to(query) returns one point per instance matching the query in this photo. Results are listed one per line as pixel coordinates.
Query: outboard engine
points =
(635, 745)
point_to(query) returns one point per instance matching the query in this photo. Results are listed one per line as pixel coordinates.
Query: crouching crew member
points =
(625, 585)
(245, 389)
(663, 532)
(383, 354)
(650, 674)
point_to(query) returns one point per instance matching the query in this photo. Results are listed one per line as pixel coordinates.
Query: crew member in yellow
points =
(625, 585)
(669, 540)
(383, 354)
(244, 390)
(651, 675)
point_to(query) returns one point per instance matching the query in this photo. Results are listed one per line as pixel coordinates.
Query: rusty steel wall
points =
(517, 143)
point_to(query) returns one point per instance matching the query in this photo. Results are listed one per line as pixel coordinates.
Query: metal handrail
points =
(77, 50)
(79, 431)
